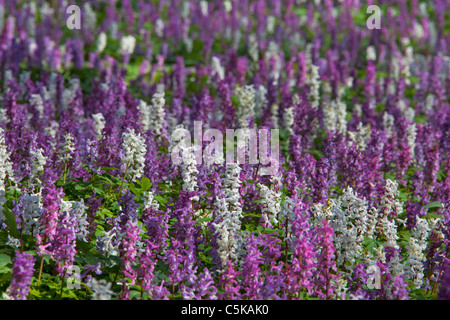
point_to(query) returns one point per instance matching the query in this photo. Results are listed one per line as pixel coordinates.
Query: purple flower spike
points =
(21, 276)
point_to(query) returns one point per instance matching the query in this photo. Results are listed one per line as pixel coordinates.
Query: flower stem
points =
(40, 269)
(62, 283)
(123, 178)
(65, 172)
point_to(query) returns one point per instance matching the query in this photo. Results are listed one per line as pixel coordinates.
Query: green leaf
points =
(253, 215)
(69, 294)
(133, 189)
(145, 183)
(11, 222)
(403, 195)
(434, 204)
(106, 212)
(4, 260)
(105, 178)
(79, 187)
(134, 294)
(200, 220)
(35, 293)
(161, 199)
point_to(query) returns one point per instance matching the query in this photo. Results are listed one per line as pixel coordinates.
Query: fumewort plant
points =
(156, 150)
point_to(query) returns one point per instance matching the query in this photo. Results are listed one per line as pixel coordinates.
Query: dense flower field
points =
(93, 205)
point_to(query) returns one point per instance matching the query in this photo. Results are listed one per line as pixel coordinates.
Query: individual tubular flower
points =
(21, 276)
(134, 148)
